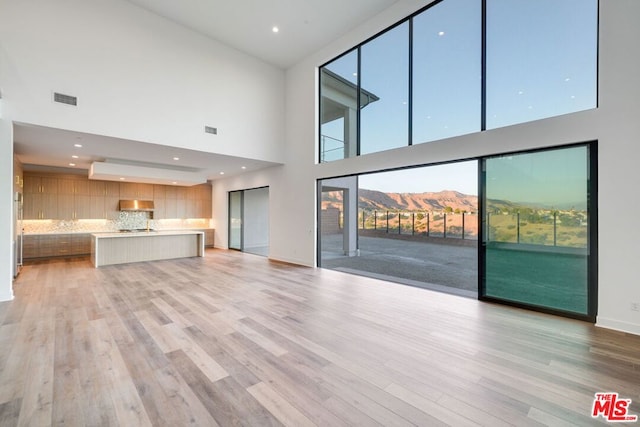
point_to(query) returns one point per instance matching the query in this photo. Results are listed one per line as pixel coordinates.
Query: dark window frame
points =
(483, 67)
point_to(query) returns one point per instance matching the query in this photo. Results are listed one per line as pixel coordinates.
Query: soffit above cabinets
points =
(41, 148)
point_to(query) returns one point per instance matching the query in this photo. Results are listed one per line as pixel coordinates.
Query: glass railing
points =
(548, 228)
(331, 149)
(539, 227)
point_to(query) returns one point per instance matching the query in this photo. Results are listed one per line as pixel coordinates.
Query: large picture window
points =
(454, 68)
(447, 71)
(385, 74)
(541, 59)
(339, 108)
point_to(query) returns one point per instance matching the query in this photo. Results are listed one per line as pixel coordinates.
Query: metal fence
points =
(548, 228)
(457, 225)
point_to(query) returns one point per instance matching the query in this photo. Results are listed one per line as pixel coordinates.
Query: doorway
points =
(249, 221)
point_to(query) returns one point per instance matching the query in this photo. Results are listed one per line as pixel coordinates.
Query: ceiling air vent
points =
(65, 99)
(209, 129)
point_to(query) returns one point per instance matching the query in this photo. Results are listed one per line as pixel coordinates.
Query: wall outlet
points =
(635, 306)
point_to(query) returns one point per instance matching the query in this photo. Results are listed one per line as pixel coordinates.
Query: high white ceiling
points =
(304, 25)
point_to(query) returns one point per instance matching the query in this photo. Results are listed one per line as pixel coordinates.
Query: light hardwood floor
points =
(234, 339)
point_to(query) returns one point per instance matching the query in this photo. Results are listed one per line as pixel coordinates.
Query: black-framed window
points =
(539, 230)
(541, 59)
(473, 65)
(447, 71)
(339, 108)
(384, 99)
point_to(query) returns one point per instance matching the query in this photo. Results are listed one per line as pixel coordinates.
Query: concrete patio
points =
(447, 265)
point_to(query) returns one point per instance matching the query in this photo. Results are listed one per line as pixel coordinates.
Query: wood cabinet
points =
(103, 200)
(70, 197)
(38, 184)
(172, 202)
(136, 191)
(40, 197)
(111, 199)
(53, 245)
(74, 199)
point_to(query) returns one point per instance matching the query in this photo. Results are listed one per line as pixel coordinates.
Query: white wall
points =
(137, 76)
(6, 208)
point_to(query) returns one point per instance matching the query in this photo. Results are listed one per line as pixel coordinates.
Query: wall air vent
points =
(65, 99)
(209, 129)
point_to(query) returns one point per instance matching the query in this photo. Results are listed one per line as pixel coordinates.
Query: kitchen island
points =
(123, 248)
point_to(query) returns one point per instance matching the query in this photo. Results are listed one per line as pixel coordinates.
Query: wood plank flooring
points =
(234, 339)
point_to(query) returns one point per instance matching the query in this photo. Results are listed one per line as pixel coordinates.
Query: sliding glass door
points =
(249, 221)
(235, 220)
(539, 230)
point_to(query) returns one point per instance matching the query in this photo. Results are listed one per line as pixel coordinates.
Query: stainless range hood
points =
(136, 205)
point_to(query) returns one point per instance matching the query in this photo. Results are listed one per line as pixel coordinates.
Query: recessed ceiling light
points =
(176, 158)
(441, 33)
(72, 164)
(174, 182)
(221, 173)
(275, 29)
(244, 167)
(121, 179)
(77, 145)
(74, 157)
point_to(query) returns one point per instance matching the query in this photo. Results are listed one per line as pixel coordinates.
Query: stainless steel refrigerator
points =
(18, 233)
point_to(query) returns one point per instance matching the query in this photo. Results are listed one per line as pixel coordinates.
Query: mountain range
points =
(372, 200)
(429, 201)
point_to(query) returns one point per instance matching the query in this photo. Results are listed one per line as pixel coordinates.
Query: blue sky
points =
(460, 176)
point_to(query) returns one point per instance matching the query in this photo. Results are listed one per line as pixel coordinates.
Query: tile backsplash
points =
(125, 221)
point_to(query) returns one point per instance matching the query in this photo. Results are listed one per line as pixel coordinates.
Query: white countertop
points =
(145, 233)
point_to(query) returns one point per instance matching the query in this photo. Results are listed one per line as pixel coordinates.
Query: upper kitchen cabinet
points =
(74, 199)
(38, 184)
(104, 199)
(74, 186)
(40, 197)
(205, 196)
(136, 191)
(159, 201)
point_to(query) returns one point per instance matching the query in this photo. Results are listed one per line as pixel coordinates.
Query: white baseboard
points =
(631, 328)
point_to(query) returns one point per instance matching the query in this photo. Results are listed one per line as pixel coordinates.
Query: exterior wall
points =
(330, 221)
(137, 76)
